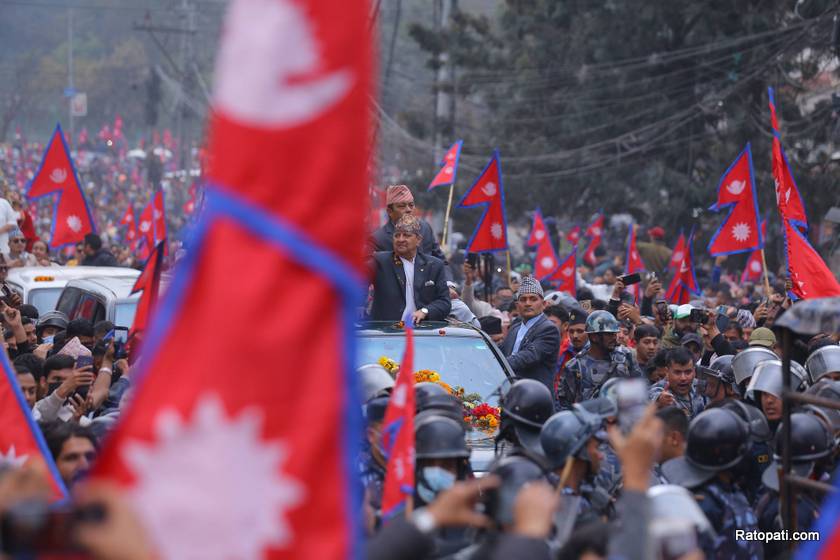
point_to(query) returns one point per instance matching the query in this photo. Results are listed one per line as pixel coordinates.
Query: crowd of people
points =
(633, 429)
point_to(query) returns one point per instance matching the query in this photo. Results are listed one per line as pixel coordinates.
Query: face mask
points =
(433, 481)
(48, 339)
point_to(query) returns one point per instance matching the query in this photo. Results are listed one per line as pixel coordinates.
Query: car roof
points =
(116, 287)
(28, 274)
(426, 328)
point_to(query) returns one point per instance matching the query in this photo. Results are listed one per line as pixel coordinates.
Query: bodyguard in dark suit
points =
(533, 342)
(405, 277)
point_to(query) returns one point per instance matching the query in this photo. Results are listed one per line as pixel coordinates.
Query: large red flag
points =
(546, 259)
(564, 277)
(633, 262)
(279, 447)
(809, 274)
(21, 440)
(755, 267)
(788, 198)
(72, 219)
(678, 253)
(491, 232)
(594, 232)
(149, 283)
(449, 167)
(740, 231)
(398, 434)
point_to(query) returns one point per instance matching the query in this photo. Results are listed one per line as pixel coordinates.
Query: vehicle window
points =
(45, 299)
(124, 313)
(68, 301)
(86, 309)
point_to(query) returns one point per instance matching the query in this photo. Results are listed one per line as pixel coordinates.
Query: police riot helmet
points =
(717, 440)
(566, 433)
(767, 378)
(823, 361)
(375, 381)
(440, 405)
(810, 438)
(515, 471)
(439, 437)
(528, 402)
(601, 322)
(745, 362)
(755, 419)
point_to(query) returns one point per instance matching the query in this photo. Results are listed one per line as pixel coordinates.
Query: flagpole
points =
(766, 278)
(507, 257)
(443, 245)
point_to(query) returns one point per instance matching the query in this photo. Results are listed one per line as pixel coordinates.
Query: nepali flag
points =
(684, 284)
(128, 220)
(755, 264)
(788, 199)
(564, 278)
(159, 218)
(146, 229)
(491, 233)
(72, 219)
(809, 274)
(633, 262)
(449, 167)
(678, 254)
(21, 440)
(573, 237)
(740, 231)
(291, 78)
(546, 259)
(398, 434)
(149, 283)
(594, 232)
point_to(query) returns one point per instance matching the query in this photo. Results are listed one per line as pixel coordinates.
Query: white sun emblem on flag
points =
(755, 266)
(741, 231)
(10, 459)
(547, 262)
(211, 486)
(678, 256)
(496, 230)
(157, 214)
(539, 234)
(144, 226)
(74, 223)
(634, 255)
(447, 170)
(489, 189)
(596, 231)
(567, 272)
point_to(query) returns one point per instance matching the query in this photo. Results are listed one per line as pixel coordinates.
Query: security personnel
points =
(811, 442)
(525, 408)
(717, 441)
(765, 388)
(750, 469)
(372, 460)
(570, 441)
(824, 362)
(717, 382)
(591, 368)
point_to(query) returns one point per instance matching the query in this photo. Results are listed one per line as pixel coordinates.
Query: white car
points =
(103, 298)
(42, 285)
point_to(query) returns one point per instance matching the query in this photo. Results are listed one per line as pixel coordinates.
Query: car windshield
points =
(124, 313)
(459, 361)
(44, 299)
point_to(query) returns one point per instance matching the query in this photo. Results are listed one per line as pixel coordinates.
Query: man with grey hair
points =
(533, 342)
(408, 280)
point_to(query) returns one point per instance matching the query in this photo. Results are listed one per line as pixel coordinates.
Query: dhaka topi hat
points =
(529, 285)
(408, 224)
(398, 193)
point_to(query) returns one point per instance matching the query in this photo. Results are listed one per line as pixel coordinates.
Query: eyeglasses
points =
(18, 241)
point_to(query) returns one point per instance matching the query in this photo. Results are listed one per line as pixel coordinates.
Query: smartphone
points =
(120, 335)
(663, 310)
(652, 277)
(630, 279)
(84, 361)
(698, 316)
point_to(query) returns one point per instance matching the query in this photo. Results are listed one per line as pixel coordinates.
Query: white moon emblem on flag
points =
(489, 189)
(269, 70)
(181, 473)
(547, 262)
(496, 230)
(539, 234)
(736, 187)
(74, 223)
(58, 175)
(741, 231)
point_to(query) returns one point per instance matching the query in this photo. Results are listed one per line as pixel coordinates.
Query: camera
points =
(630, 279)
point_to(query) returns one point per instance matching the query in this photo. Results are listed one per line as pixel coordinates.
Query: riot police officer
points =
(750, 469)
(744, 363)
(717, 441)
(824, 362)
(372, 462)
(717, 382)
(525, 408)
(811, 441)
(765, 388)
(375, 381)
(585, 374)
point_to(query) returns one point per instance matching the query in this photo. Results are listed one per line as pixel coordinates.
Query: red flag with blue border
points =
(149, 283)
(281, 447)
(684, 283)
(594, 232)
(448, 167)
(755, 264)
(633, 261)
(491, 232)
(573, 237)
(788, 199)
(740, 231)
(546, 259)
(564, 278)
(678, 253)
(810, 276)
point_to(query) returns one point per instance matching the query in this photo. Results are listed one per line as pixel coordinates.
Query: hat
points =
(398, 193)
(529, 285)
(490, 324)
(408, 223)
(762, 336)
(523, 269)
(691, 337)
(515, 276)
(656, 232)
(745, 319)
(683, 311)
(577, 317)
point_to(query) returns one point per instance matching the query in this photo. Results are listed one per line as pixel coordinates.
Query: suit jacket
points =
(430, 289)
(537, 355)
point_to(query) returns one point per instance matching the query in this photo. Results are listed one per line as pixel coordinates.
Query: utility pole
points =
(71, 90)
(444, 81)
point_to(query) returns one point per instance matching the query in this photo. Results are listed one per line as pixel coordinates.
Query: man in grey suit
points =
(533, 342)
(405, 279)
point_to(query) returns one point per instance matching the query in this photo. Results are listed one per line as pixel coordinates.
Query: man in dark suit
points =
(407, 279)
(533, 342)
(399, 201)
